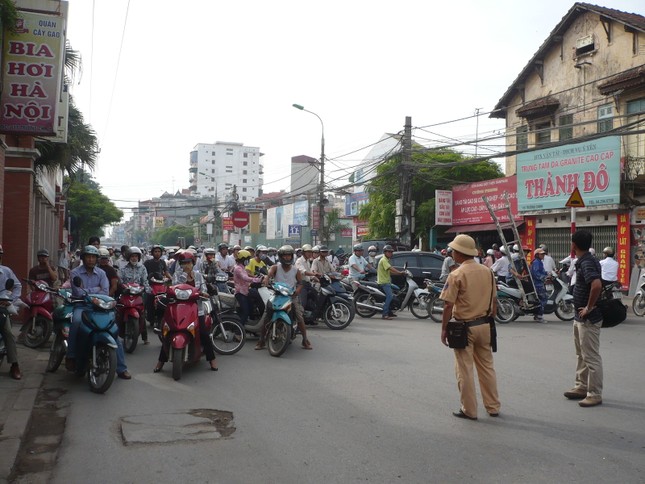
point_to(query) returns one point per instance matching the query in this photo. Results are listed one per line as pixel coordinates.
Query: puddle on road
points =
(194, 425)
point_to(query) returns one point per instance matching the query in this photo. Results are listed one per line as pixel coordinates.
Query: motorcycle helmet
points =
(388, 248)
(371, 248)
(261, 248)
(305, 248)
(284, 251)
(449, 250)
(134, 250)
(243, 256)
(358, 247)
(89, 250)
(104, 253)
(222, 246)
(608, 251)
(516, 248)
(42, 253)
(490, 252)
(323, 248)
(185, 256)
(210, 251)
(315, 249)
(237, 247)
(503, 249)
(537, 252)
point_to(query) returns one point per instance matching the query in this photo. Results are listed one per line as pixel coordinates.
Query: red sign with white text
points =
(227, 223)
(468, 207)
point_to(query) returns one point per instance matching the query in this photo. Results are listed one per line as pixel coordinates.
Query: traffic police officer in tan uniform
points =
(467, 295)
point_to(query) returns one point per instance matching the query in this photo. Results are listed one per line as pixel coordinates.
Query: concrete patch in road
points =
(193, 425)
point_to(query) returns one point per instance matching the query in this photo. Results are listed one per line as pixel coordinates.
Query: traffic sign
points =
(575, 200)
(240, 219)
(294, 230)
(314, 232)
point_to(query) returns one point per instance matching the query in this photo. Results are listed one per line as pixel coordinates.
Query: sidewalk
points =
(17, 399)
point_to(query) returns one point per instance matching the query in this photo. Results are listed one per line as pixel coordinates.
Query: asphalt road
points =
(371, 403)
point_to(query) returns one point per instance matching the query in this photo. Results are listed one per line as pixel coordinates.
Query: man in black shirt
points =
(586, 327)
(156, 267)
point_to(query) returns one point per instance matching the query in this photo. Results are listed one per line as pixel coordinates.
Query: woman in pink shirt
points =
(242, 280)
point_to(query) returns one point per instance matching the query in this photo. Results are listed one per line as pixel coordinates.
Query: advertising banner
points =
(354, 202)
(443, 207)
(301, 213)
(546, 178)
(468, 207)
(31, 75)
(623, 247)
(227, 224)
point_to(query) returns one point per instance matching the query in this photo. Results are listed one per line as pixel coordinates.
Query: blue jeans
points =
(387, 289)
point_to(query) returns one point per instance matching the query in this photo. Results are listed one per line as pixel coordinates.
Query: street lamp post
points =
(321, 188)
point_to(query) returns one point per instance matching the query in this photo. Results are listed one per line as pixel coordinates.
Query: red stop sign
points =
(240, 219)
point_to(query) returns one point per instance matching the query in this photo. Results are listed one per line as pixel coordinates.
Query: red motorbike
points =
(180, 327)
(158, 285)
(131, 315)
(39, 314)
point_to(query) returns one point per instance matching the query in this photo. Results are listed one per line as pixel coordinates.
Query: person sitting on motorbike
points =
(273, 255)
(321, 265)
(93, 281)
(157, 265)
(371, 255)
(44, 272)
(110, 272)
(539, 276)
(5, 320)
(303, 264)
(257, 265)
(135, 272)
(358, 265)
(186, 275)
(384, 280)
(448, 265)
(242, 281)
(225, 262)
(285, 271)
(209, 266)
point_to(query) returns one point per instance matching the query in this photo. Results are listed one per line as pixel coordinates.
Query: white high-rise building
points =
(216, 168)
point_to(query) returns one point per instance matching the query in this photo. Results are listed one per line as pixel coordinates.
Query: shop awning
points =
(465, 229)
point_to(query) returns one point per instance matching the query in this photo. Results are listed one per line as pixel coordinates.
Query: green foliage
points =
(8, 14)
(88, 207)
(332, 225)
(431, 170)
(170, 235)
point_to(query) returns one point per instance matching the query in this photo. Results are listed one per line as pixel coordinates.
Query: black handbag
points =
(613, 312)
(457, 335)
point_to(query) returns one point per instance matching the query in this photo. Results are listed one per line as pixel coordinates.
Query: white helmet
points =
(372, 248)
(502, 249)
(490, 252)
(516, 248)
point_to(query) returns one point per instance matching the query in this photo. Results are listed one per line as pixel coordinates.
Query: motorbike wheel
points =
(56, 353)
(338, 315)
(435, 309)
(38, 333)
(507, 311)
(565, 310)
(278, 338)
(101, 376)
(177, 363)
(364, 298)
(131, 336)
(228, 337)
(638, 305)
(420, 306)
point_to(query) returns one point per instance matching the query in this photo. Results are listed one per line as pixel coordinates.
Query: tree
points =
(431, 170)
(332, 225)
(170, 235)
(89, 208)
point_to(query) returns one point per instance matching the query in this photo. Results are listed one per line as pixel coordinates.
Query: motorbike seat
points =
(370, 284)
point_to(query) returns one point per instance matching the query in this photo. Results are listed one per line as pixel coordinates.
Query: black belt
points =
(476, 322)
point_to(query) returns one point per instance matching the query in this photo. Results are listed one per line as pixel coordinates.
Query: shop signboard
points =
(468, 207)
(443, 207)
(547, 178)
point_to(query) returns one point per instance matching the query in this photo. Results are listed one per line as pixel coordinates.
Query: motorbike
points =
(157, 286)
(369, 298)
(333, 303)
(180, 326)
(131, 317)
(434, 304)
(40, 304)
(62, 321)
(638, 303)
(96, 341)
(227, 333)
(6, 312)
(510, 305)
(280, 329)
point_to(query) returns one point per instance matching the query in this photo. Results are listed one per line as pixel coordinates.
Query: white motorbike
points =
(638, 304)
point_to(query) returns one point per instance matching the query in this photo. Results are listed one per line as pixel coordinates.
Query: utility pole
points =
(405, 205)
(476, 129)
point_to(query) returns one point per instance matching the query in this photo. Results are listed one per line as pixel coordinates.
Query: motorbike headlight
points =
(136, 290)
(182, 294)
(105, 305)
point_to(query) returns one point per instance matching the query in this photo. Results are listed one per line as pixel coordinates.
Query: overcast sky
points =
(199, 71)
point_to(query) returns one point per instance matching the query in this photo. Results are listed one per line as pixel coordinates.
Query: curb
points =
(17, 398)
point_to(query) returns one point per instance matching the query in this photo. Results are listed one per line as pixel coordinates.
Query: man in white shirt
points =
(224, 261)
(609, 266)
(358, 264)
(547, 262)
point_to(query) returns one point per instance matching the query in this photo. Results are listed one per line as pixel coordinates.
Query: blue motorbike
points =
(96, 340)
(62, 321)
(280, 329)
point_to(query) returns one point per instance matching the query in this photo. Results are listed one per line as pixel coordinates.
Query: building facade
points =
(574, 119)
(305, 175)
(216, 168)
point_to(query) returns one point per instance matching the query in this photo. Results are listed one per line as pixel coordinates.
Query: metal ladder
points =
(529, 298)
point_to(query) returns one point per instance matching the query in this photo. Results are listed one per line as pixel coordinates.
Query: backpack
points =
(613, 310)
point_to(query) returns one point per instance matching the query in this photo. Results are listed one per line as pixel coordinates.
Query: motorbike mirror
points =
(78, 282)
(405, 266)
(9, 284)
